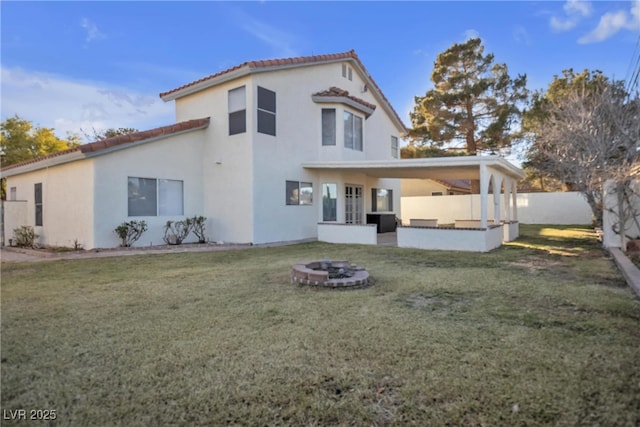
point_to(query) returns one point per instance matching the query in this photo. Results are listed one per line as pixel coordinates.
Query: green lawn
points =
(543, 331)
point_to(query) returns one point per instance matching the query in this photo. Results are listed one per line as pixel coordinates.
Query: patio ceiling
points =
(467, 167)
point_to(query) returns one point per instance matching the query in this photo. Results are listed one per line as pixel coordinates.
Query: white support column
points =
(514, 200)
(484, 192)
(507, 198)
(497, 190)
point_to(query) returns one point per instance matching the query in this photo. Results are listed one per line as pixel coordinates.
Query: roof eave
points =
(197, 87)
(44, 163)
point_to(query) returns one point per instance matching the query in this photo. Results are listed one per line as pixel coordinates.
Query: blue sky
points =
(83, 65)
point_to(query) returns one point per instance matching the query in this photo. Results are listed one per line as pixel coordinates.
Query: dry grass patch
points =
(442, 338)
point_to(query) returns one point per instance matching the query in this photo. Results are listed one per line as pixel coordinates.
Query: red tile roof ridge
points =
(263, 63)
(114, 141)
(299, 60)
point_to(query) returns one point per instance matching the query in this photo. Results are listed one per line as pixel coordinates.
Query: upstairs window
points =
(37, 190)
(237, 111)
(266, 111)
(13, 195)
(347, 72)
(394, 147)
(352, 131)
(328, 126)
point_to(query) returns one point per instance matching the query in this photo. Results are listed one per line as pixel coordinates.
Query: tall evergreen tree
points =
(474, 102)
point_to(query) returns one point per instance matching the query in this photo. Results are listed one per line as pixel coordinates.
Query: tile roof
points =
(130, 138)
(336, 91)
(251, 66)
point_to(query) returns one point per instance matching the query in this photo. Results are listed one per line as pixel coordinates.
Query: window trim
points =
(374, 199)
(158, 197)
(351, 143)
(37, 199)
(291, 185)
(263, 111)
(394, 146)
(331, 137)
(238, 113)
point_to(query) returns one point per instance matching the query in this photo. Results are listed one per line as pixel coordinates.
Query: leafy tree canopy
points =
(474, 101)
(20, 140)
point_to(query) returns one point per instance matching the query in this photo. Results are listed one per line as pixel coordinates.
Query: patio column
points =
(497, 191)
(507, 198)
(484, 192)
(514, 195)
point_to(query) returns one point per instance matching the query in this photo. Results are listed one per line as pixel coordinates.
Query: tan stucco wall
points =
(67, 200)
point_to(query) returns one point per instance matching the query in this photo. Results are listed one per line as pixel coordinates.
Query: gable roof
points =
(110, 144)
(253, 67)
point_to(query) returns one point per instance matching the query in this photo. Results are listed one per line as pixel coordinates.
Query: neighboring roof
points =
(335, 94)
(116, 142)
(251, 67)
(456, 184)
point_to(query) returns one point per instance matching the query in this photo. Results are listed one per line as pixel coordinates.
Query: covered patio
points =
(498, 189)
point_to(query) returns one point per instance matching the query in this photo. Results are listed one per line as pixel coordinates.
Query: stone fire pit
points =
(329, 274)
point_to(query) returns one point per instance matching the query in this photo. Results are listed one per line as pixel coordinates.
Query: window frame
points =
(375, 196)
(330, 139)
(356, 124)
(37, 201)
(394, 147)
(162, 208)
(237, 115)
(266, 116)
(13, 193)
(294, 193)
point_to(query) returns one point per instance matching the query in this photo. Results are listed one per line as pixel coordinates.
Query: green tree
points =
(20, 141)
(474, 102)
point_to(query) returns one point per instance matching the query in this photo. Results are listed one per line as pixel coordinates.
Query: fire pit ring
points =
(330, 274)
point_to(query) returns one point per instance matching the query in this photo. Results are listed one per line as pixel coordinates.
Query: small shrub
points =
(176, 231)
(199, 223)
(25, 236)
(130, 232)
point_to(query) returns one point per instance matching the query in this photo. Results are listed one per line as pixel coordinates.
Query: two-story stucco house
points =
(235, 155)
(268, 151)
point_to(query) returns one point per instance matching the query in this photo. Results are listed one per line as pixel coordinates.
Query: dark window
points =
(328, 126)
(293, 193)
(38, 202)
(266, 111)
(381, 200)
(237, 111)
(238, 122)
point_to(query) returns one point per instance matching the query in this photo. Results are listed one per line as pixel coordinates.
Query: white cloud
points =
(574, 11)
(93, 33)
(69, 105)
(613, 22)
(578, 7)
(281, 42)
